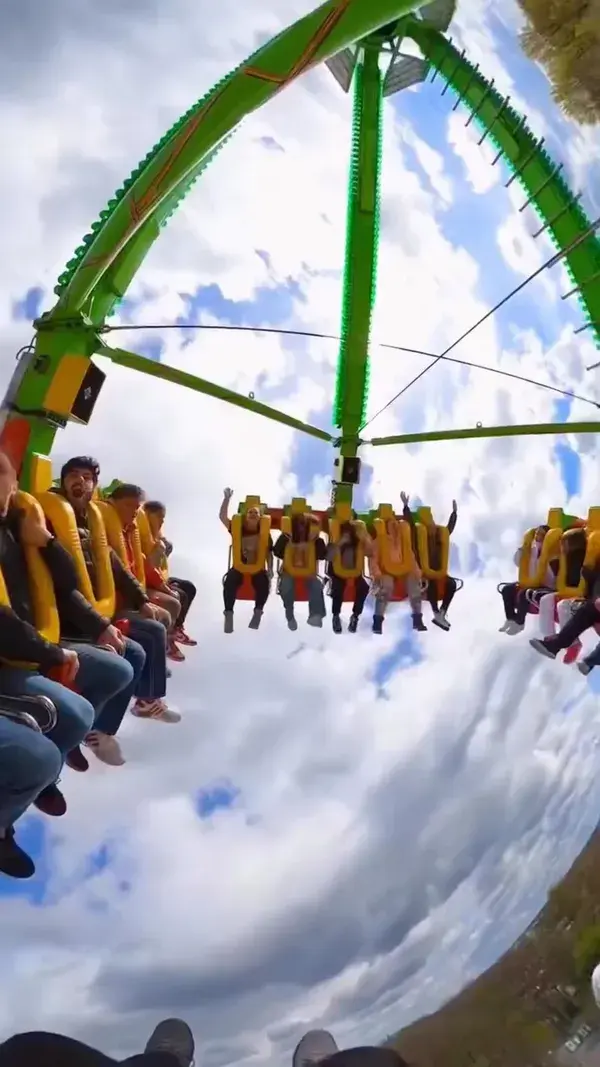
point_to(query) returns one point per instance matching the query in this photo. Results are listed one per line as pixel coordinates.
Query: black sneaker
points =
(51, 801)
(174, 1036)
(542, 645)
(417, 622)
(76, 760)
(378, 624)
(14, 861)
(336, 622)
(353, 624)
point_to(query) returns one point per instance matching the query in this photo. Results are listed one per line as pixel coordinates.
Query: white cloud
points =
(373, 839)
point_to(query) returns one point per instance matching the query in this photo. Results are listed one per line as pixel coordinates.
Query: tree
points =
(586, 951)
(564, 37)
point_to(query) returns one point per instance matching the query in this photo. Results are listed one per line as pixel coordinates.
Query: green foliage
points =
(564, 37)
(586, 950)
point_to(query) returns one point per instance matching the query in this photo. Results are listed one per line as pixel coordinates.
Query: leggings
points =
(187, 592)
(233, 581)
(450, 587)
(54, 1050)
(516, 604)
(338, 588)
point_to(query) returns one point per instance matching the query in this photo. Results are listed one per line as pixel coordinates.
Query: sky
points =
(328, 839)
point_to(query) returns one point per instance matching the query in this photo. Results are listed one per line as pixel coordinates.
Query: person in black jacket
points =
(304, 533)
(78, 481)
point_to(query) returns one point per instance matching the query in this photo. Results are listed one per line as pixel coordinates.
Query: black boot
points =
(378, 624)
(417, 621)
(336, 623)
(353, 624)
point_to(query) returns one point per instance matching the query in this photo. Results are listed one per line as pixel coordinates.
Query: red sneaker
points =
(572, 653)
(184, 639)
(76, 760)
(175, 653)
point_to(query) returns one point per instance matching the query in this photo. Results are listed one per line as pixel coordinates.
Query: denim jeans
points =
(75, 714)
(108, 681)
(316, 598)
(28, 763)
(152, 636)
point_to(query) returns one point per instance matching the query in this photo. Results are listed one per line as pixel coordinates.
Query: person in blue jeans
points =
(29, 764)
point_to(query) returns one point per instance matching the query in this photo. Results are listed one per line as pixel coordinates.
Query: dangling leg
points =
(231, 585)
(262, 587)
(286, 591)
(360, 595)
(316, 602)
(385, 591)
(547, 606)
(509, 598)
(439, 617)
(413, 588)
(590, 661)
(565, 611)
(585, 617)
(338, 586)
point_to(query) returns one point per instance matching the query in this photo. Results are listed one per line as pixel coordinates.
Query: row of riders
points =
(390, 547)
(103, 656)
(559, 580)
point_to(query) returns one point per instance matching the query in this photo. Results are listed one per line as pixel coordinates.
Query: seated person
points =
(383, 584)
(434, 558)
(183, 589)
(261, 581)
(78, 481)
(573, 547)
(515, 598)
(305, 531)
(352, 535)
(127, 500)
(586, 616)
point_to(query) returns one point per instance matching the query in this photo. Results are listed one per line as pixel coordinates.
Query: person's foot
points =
(174, 653)
(353, 624)
(155, 709)
(505, 626)
(173, 1036)
(256, 619)
(51, 801)
(378, 624)
(105, 748)
(572, 653)
(14, 861)
(439, 619)
(291, 621)
(228, 622)
(183, 638)
(584, 668)
(316, 621)
(417, 622)
(542, 646)
(514, 628)
(76, 760)
(315, 1046)
(336, 623)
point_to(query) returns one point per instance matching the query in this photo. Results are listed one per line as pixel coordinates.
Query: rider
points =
(353, 536)
(305, 533)
(261, 580)
(515, 598)
(573, 547)
(184, 590)
(383, 584)
(450, 584)
(78, 481)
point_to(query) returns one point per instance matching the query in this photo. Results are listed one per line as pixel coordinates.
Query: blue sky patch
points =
(216, 798)
(30, 306)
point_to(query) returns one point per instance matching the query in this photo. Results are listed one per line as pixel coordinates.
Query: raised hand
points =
(454, 507)
(227, 493)
(404, 498)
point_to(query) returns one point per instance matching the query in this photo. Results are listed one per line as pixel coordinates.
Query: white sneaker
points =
(515, 628)
(315, 1046)
(155, 709)
(439, 619)
(105, 748)
(506, 625)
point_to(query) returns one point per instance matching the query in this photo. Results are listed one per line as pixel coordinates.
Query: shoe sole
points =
(175, 1037)
(541, 648)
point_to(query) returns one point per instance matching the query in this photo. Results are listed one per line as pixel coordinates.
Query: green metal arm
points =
(200, 385)
(524, 430)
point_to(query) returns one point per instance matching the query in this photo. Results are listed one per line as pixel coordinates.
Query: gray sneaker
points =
(228, 622)
(315, 1046)
(291, 621)
(255, 620)
(174, 1036)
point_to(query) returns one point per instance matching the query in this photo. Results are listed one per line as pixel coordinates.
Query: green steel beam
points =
(200, 385)
(524, 430)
